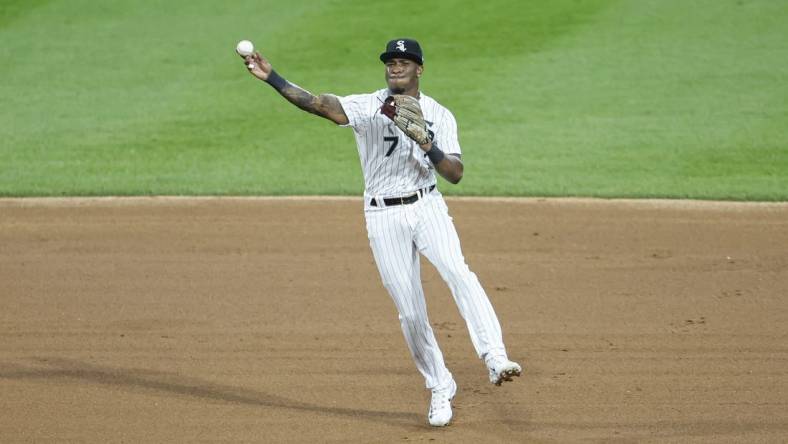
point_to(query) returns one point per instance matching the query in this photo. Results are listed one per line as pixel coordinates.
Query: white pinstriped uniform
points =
(395, 166)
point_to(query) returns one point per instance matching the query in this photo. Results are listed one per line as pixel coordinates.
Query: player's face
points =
(402, 75)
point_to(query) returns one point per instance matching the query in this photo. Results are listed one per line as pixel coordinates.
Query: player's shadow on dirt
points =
(147, 380)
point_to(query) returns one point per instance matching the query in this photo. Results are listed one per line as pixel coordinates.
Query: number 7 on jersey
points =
(394, 142)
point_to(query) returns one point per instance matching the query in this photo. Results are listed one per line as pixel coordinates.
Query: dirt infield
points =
(264, 320)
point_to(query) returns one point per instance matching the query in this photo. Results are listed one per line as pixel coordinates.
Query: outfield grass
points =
(639, 98)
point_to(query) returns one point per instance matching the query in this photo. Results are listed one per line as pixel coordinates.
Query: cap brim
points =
(386, 56)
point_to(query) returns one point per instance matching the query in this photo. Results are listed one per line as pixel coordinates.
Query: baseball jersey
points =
(392, 163)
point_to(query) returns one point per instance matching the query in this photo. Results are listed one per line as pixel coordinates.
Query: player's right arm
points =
(323, 105)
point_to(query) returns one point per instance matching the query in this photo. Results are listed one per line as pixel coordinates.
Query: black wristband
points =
(435, 154)
(276, 81)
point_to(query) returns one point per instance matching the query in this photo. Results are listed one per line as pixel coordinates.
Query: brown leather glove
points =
(405, 111)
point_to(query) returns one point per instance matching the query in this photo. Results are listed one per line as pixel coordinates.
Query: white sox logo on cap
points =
(402, 48)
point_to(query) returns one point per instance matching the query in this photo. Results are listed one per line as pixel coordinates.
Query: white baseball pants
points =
(397, 235)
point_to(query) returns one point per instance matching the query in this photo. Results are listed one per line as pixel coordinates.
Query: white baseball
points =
(244, 48)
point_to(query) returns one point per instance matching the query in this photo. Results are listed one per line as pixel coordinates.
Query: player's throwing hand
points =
(257, 65)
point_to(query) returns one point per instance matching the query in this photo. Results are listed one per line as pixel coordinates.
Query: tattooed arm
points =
(324, 105)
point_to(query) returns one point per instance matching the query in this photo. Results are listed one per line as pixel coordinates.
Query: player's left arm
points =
(449, 166)
(444, 149)
(405, 111)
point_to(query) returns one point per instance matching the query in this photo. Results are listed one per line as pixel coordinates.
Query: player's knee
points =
(414, 321)
(456, 272)
(399, 289)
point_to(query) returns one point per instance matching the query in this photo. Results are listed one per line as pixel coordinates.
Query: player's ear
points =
(419, 70)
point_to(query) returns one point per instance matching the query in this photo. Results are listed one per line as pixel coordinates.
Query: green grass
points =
(638, 98)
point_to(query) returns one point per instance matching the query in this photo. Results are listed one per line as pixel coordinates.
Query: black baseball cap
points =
(403, 49)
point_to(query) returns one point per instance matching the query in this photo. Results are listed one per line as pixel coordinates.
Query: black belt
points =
(404, 200)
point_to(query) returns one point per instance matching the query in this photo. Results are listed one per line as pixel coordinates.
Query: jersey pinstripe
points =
(392, 163)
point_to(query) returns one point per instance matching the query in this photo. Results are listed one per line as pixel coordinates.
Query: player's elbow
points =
(458, 170)
(329, 107)
(454, 177)
(451, 168)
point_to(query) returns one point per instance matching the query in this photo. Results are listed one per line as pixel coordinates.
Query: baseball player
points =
(403, 138)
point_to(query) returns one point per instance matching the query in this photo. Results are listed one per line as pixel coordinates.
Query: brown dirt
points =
(237, 320)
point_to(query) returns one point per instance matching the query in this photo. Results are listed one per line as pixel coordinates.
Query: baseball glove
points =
(406, 114)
